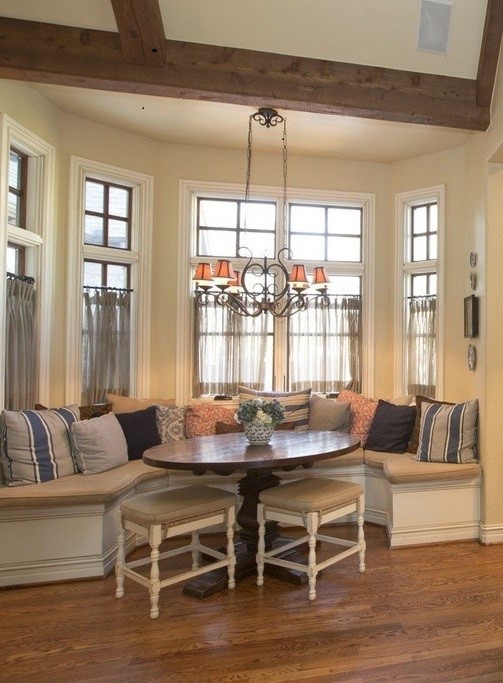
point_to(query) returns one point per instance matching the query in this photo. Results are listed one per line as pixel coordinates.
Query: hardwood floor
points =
(418, 614)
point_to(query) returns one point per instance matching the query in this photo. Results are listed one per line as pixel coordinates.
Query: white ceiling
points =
(375, 32)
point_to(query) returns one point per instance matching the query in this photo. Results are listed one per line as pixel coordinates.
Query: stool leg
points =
(312, 570)
(119, 566)
(261, 544)
(361, 536)
(195, 549)
(231, 554)
(154, 585)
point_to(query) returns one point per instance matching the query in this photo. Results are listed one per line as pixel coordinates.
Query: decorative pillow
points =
(328, 414)
(413, 445)
(391, 427)
(448, 433)
(202, 418)
(140, 430)
(228, 428)
(36, 445)
(296, 403)
(99, 444)
(170, 423)
(362, 413)
(94, 410)
(126, 404)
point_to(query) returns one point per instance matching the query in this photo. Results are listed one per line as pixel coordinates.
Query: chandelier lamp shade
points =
(264, 285)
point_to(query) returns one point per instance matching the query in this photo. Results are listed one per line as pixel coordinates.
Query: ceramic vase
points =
(257, 433)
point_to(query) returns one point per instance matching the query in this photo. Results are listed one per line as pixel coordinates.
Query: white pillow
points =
(99, 444)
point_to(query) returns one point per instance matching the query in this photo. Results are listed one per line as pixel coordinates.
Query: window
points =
(27, 165)
(421, 216)
(17, 195)
(323, 348)
(109, 308)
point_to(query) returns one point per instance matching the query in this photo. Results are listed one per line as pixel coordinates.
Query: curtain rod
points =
(21, 278)
(107, 289)
(422, 296)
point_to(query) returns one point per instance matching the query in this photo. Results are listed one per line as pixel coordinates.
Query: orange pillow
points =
(362, 413)
(202, 418)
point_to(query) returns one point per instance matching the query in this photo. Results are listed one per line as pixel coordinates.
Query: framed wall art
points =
(471, 316)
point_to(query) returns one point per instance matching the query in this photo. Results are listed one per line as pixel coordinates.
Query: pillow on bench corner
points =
(448, 433)
(36, 445)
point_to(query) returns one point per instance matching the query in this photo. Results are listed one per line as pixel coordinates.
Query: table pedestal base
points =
(212, 582)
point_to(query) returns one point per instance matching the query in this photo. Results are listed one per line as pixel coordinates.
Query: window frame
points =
(187, 248)
(406, 269)
(36, 237)
(138, 257)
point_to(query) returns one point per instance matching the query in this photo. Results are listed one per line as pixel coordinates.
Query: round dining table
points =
(224, 454)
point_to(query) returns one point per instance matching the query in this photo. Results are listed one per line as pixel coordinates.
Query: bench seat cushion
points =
(378, 459)
(410, 470)
(93, 489)
(346, 460)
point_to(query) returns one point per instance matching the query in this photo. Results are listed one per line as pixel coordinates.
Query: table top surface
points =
(226, 453)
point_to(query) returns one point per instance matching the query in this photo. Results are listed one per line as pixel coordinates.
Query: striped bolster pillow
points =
(448, 433)
(296, 403)
(36, 445)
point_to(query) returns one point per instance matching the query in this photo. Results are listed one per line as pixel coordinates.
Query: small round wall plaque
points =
(472, 357)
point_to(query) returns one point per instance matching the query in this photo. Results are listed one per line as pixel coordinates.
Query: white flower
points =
(263, 418)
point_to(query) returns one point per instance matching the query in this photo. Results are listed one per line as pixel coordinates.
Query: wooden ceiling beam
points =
(141, 32)
(489, 52)
(49, 53)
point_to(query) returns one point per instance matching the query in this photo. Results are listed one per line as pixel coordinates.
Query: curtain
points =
(105, 344)
(325, 345)
(421, 345)
(230, 350)
(20, 377)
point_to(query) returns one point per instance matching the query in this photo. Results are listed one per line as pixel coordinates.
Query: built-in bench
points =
(67, 528)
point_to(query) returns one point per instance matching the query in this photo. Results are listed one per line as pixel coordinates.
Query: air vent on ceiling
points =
(434, 25)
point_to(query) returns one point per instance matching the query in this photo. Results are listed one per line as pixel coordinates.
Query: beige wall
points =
(473, 209)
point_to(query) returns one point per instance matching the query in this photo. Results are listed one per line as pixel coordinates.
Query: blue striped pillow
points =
(36, 445)
(448, 433)
(296, 403)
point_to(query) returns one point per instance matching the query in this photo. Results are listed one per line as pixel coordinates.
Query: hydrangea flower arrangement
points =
(257, 410)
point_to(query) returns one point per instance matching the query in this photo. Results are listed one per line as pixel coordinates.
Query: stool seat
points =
(177, 505)
(311, 495)
(310, 503)
(163, 514)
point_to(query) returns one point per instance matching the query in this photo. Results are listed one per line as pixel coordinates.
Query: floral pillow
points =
(362, 413)
(202, 418)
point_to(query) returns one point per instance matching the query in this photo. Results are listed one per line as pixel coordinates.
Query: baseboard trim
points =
(491, 534)
(439, 534)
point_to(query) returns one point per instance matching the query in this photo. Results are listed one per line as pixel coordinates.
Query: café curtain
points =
(20, 379)
(105, 343)
(229, 350)
(421, 345)
(325, 345)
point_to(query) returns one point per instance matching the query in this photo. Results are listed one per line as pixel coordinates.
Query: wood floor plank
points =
(428, 614)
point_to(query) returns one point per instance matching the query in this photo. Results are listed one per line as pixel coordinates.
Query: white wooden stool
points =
(164, 514)
(310, 503)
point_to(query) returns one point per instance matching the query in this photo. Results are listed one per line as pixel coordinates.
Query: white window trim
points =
(403, 203)
(189, 190)
(140, 256)
(42, 166)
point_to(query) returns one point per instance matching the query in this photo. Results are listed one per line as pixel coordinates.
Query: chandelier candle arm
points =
(272, 290)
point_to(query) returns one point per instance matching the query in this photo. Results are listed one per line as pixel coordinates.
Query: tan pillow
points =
(328, 414)
(127, 404)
